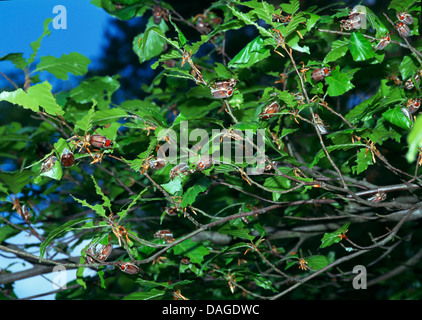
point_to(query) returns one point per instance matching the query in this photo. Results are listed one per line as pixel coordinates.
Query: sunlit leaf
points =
(73, 63)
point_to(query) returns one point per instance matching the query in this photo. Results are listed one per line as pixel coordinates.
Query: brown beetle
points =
(26, 214)
(161, 234)
(410, 84)
(104, 252)
(405, 17)
(157, 13)
(181, 168)
(157, 163)
(204, 163)
(223, 89)
(270, 110)
(48, 164)
(165, 235)
(378, 197)
(99, 141)
(222, 93)
(412, 106)
(172, 211)
(67, 158)
(402, 29)
(231, 83)
(383, 43)
(320, 125)
(128, 267)
(320, 73)
(88, 258)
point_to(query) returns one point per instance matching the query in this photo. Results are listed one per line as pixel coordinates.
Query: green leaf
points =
(7, 231)
(80, 273)
(339, 49)
(363, 160)
(321, 154)
(408, 67)
(414, 140)
(360, 47)
(189, 196)
(290, 8)
(122, 214)
(55, 172)
(96, 88)
(74, 63)
(36, 44)
(317, 262)
(182, 38)
(338, 83)
(277, 183)
(98, 190)
(96, 208)
(16, 181)
(85, 124)
(401, 5)
(60, 230)
(174, 186)
(376, 23)
(37, 96)
(252, 53)
(236, 231)
(17, 59)
(396, 117)
(249, 19)
(150, 295)
(193, 250)
(151, 43)
(333, 237)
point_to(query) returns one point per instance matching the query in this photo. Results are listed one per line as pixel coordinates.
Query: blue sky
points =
(21, 22)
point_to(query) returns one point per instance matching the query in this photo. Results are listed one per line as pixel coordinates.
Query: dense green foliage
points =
(335, 193)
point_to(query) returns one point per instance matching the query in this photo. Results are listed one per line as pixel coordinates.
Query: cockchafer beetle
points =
(412, 106)
(157, 13)
(378, 197)
(383, 43)
(204, 162)
(48, 164)
(320, 125)
(320, 73)
(161, 234)
(270, 110)
(104, 252)
(402, 29)
(165, 235)
(172, 211)
(67, 158)
(91, 251)
(128, 267)
(405, 17)
(181, 168)
(410, 84)
(99, 141)
(231, 83)
(26, 214)
(222, 93)
(157, 163)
